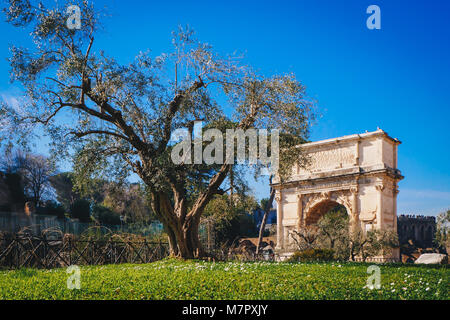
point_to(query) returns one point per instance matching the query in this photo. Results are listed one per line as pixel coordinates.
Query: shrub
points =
(105, 215)
(310, 255)
(81, 210)
(51, 208)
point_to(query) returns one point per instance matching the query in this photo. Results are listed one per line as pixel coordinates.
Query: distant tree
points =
(264, 202)
(104, 215)
(12, 192)
(442, 236)
(231, 220)
(51, 208)
(65, 192)
(123, 199)
(129, 201)
(34, 171)
(12, 181)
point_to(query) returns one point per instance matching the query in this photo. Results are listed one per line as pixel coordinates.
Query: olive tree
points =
(115, 118)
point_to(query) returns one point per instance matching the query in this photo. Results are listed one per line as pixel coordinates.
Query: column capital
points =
(325, 194)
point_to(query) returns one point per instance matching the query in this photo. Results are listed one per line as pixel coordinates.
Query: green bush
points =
(310, 255)
(51, 208)
(105, 215)
(81, 210)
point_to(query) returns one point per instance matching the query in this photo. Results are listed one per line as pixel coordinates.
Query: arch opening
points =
(327, 207)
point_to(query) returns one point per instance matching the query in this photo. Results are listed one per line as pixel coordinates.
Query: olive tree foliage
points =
(116, 118)
(330, 232)
(305, 238)
(364, 245)
(333, 232)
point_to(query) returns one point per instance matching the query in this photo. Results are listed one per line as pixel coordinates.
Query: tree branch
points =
(173, 107)
(110, 133)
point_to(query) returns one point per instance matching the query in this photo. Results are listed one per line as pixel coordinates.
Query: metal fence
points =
(40, 252)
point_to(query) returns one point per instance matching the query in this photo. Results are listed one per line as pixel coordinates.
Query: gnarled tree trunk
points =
(180, 224)
(184, 241)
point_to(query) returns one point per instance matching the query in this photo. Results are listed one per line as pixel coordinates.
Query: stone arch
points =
(358, 172)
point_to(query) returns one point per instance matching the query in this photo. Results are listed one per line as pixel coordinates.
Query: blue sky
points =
(395, 78)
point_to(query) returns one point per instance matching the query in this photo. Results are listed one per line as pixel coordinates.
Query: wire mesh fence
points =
(37, 224)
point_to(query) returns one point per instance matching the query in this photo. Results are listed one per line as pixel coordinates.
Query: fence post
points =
(70, 250)
(17, 252)
(44, 256)
(146, 253)
(93, 248)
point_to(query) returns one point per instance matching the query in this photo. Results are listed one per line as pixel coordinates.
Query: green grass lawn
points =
(173, 279)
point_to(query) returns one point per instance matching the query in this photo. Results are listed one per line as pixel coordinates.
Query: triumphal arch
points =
(357, 171)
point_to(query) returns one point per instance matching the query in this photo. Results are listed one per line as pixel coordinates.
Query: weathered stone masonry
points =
(357, 171)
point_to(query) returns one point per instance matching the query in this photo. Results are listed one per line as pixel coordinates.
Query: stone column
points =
(380, 189)
(354, 215)
(300, 210)
(278, 197)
